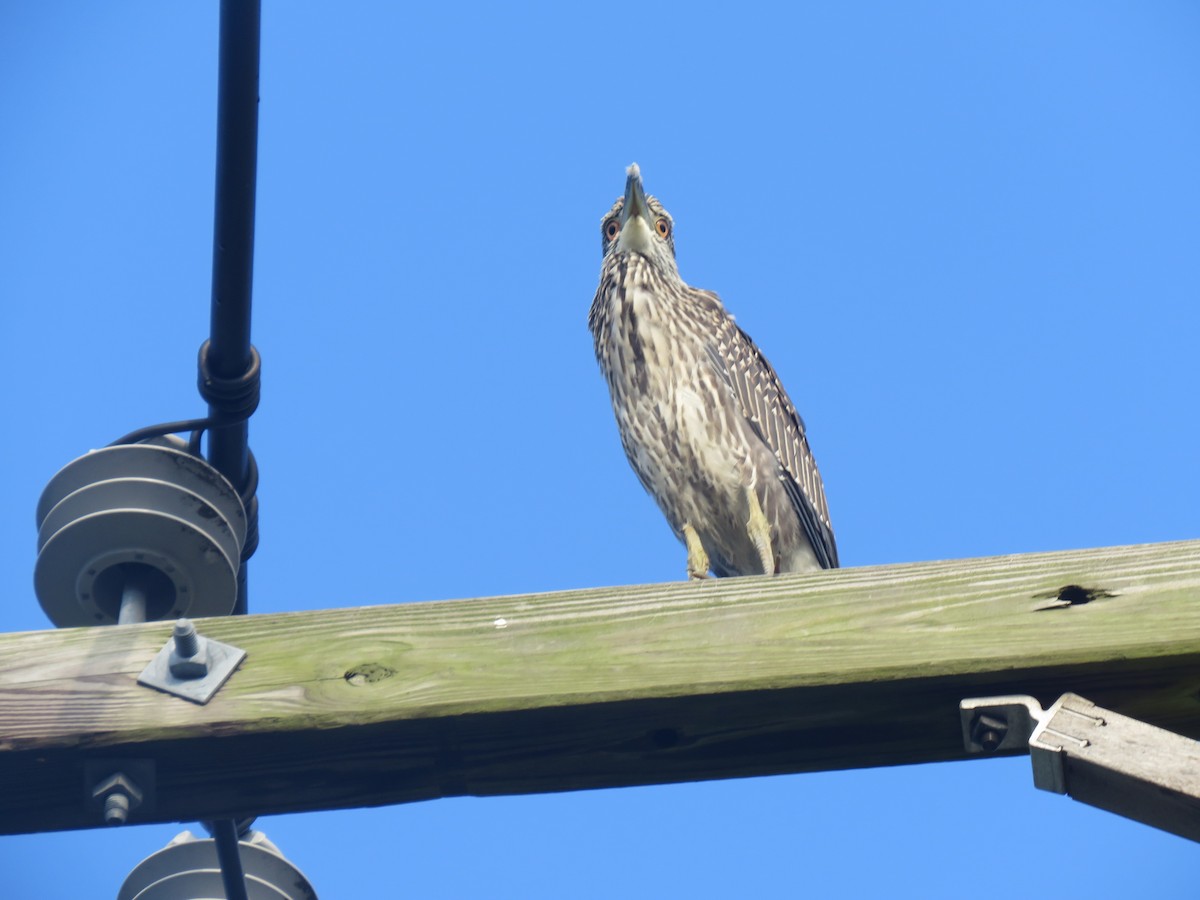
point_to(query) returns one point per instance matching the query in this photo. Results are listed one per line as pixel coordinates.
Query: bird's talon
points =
(697, 558)
(759, 530)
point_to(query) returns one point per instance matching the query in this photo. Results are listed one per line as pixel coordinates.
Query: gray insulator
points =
(188, 868)
(138, 519)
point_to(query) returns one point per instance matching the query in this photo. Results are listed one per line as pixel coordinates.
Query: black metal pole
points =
(229, 354)
(229, 855)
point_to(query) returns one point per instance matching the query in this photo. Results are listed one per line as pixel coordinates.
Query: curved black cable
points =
(250, 503)
(198, 426)
(237, 399)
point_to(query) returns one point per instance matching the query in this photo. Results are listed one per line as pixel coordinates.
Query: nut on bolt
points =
(189, 655)
(988, 731)
(119, 794)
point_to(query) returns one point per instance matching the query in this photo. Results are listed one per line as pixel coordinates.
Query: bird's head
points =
(637, 223)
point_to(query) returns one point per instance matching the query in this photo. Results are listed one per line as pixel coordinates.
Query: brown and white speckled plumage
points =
(702, 415)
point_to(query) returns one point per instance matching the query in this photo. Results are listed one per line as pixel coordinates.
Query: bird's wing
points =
(774, 419)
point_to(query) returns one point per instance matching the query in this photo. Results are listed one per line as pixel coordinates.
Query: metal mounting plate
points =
(222, 660)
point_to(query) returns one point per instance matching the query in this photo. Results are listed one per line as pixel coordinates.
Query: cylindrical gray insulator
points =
(188, 868)
(138, 518)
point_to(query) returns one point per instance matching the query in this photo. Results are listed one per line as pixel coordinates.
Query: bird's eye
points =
(663, 227)
(611, 229)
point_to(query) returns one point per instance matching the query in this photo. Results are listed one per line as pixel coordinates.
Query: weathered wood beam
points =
(597, 688)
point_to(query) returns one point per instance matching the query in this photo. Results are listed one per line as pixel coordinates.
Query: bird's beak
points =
(637, 228)
(635, 197)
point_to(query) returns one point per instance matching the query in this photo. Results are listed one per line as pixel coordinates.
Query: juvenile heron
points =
(704, 420)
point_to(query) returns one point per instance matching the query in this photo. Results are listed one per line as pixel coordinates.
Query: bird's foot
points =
(697, 560)
(759, 530)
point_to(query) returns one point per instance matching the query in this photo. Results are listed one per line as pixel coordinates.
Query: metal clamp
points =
(191, 666)
(1094, 755)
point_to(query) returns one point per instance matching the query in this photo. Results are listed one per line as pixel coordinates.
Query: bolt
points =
(186, 643)
(116, 808)
(119, 794)
(189, 655)
(988, 731)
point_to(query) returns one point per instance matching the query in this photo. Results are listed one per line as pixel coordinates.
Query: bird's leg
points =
(697, 559)
(759, 530)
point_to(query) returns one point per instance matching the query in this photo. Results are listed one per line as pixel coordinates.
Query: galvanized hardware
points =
(1096, 756)
(117, 787)
(189, 652)
(992, 724)
(191, 666)
(989, 731)
(119, 795)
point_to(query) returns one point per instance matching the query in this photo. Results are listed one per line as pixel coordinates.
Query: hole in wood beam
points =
(1071, 595)
(368, 673)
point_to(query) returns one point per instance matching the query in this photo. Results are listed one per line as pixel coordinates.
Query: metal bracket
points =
(992, 724)
(1096, 756)
(191, 666)
(115, 788)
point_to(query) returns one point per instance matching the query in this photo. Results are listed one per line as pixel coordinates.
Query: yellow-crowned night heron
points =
(703, 418)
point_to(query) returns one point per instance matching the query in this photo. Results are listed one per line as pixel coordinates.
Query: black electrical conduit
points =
(229, 366)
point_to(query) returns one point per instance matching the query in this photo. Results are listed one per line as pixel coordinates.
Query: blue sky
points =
(965, 235)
